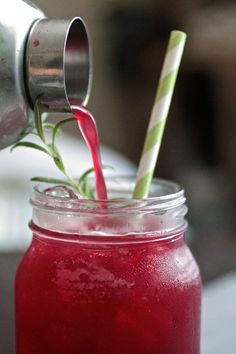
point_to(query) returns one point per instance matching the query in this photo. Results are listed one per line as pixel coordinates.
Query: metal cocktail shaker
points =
(42, 57)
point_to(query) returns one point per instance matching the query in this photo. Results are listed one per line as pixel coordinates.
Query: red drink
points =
(89, 131)
(93, 283)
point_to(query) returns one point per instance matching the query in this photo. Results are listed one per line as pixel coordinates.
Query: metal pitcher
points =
(42, 57)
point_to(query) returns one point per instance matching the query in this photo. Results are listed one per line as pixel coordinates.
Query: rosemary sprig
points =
(82, 185)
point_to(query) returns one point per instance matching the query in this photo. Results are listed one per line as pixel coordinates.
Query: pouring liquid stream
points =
(88, 128)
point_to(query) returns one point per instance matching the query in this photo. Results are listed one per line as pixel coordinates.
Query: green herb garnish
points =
(82, 185)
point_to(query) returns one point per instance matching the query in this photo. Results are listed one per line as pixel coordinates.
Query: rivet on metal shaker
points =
(42, 57)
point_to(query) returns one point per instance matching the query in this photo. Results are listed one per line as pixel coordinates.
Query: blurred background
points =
(129, 39)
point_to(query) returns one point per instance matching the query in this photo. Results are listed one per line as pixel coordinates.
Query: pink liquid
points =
(76, 298)
(89, 131)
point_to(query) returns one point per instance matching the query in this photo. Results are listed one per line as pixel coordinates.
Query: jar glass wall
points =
(109, 277)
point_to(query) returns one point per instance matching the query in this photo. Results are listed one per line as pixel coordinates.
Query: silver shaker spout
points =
(42, 57)
(58, 64)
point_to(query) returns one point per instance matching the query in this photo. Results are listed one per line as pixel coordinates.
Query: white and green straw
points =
(159, 113)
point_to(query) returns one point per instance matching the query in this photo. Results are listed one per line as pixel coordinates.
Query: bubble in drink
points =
(61, 191)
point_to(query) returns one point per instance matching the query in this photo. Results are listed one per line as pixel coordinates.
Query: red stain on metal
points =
(36, 43)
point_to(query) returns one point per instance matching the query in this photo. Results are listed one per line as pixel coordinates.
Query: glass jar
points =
(110, 277)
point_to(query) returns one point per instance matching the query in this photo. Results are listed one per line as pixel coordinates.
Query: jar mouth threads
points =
(163, 213)
(95, 238)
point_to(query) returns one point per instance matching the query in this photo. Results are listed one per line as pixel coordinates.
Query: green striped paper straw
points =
(159, 114)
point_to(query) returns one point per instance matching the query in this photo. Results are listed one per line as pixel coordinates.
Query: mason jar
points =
(109, 277)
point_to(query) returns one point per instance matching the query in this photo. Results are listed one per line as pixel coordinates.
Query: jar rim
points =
(164, 195)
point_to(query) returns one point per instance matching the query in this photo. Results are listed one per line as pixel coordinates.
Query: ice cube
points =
(61, 191)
